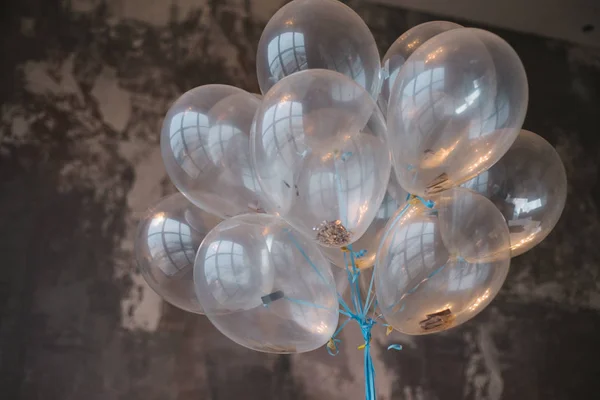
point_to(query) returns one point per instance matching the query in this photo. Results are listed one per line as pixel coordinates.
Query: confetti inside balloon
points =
(309, 34)
(438, 267)
(529, 187)
(165, 247)
(320, 154)
(265, 286)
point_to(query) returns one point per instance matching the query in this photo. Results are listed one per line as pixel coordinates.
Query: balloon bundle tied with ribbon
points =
(414, 166)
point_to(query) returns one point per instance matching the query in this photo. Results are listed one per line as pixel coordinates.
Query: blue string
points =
(314, 267)
(368, 299)
(306, 303)
(360, 313)
(361, 310)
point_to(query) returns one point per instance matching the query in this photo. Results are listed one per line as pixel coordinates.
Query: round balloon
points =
(365, 248)
(265, 286)
(456, 107)
(165, 246)
(529, 187)
(438, 267)
(402, 48)
(307, 34)
(320, 154)
(205, 148)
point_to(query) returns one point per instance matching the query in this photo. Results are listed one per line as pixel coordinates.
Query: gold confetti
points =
(439, 184)
(437, 320)
(332, 233)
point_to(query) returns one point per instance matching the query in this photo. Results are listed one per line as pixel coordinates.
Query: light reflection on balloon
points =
(437, 268)
(457, 105)
(319, 151)
(311, 34)
(401, 49)
(165, 246)
(205, 148)
(529, 187)
(265, 286)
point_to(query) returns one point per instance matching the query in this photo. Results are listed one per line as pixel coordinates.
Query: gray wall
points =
(84, 85)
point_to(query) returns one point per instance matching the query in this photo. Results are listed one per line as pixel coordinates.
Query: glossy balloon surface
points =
(165, 246)
(205, 148)
(529, 187)
(365, 248)
(320, 154)
(437, 268)
(456, 107)
(255, 281)
(401, 49)
(309, 34)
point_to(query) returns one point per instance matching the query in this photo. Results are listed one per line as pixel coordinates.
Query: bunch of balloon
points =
(455, 110)
(412, 181)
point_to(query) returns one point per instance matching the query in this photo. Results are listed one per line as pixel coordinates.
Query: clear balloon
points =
(365, 248)
(265, 286)
(319, 150)
(456, 107)
(165, 247)
(402, 48)
(326, 34)
(205, 148)
(529, 187)
(437, 268)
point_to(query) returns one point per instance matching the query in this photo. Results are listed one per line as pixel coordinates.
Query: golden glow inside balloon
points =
(265, 286)
(319, 151)
(456, 107)
(325, 34)
(401, 49)
(529, 187)
(439, 267)
(205, 149)
(165, 247)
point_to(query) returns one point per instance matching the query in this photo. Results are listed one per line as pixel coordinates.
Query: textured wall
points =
(83, 87)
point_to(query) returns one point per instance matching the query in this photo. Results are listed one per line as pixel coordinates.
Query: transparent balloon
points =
(205, 149)
(529, 187)
(456, 107)
(319, 150)
(165, 247)
(265, 286)
(439, 267)
(402, 48)
(326, 34)
(365, 248)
